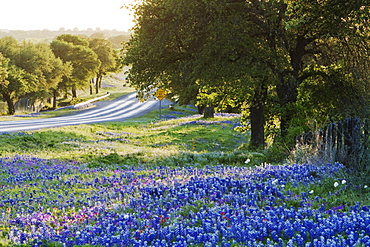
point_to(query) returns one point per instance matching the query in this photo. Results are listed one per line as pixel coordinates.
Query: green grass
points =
(326, 194)
(112, 84)
(139, 141)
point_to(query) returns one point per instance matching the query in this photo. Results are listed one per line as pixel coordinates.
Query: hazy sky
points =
(54, 14)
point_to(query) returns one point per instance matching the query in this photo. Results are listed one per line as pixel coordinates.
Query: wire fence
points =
(23, 105)
(344, 141)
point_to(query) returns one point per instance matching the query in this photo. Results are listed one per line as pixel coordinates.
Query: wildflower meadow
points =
(188, 197)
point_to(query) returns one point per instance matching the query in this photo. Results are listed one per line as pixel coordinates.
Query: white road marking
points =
(117, 110)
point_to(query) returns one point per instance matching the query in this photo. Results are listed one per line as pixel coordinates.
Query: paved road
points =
(123, 108)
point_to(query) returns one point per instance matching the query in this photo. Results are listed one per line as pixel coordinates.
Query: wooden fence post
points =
(346, 141)
(339, 150)
(366, 133)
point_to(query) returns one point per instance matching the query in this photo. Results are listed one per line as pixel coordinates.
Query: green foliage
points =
(338, 87)
(277, 153)
(32, 69)
(3, 70)
(333, 193)
(108, 57)
(72, 39)
(182, 159)
(112, 158)
(228, 53)
(84, 61)
(205, 159)
(274, 154)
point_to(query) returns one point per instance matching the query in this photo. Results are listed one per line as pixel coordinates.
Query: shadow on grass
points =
(37, 141)
(182, 159)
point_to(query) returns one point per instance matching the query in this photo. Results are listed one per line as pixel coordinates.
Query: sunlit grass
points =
(138, 141)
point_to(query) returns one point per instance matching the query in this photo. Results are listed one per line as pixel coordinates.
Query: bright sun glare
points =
(68, 14)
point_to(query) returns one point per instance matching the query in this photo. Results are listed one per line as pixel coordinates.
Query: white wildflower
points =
(311, 192)
(247, 161)
(336, 184)
(344, 181)
(365, 187)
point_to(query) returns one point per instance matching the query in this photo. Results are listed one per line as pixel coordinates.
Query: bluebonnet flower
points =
(76, 205)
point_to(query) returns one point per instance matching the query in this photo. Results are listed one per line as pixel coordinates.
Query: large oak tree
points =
(248, 50)
(75, 50)
(32, 69)
(109, 59)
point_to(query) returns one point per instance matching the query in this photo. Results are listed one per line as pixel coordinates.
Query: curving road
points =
(119, 109)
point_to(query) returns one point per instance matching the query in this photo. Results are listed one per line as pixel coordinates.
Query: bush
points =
(47, 107)
(276, 153)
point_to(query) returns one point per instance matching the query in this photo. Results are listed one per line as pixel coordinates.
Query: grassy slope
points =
(146, 141)
(143, 139)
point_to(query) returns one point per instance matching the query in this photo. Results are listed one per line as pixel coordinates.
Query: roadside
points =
(84, 104)
(112, 88)
(103, 103)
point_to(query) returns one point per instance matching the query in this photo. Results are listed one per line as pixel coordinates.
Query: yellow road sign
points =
(160, 94)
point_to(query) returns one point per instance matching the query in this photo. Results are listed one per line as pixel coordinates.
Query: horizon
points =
(97, 29)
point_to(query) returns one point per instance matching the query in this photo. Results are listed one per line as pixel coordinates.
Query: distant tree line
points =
(46, 71)
(114, 36)
(284, 64)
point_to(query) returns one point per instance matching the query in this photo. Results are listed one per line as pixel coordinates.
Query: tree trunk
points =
(287, 88)
(91, 85)
(200, 109)
(74, 93)
(100, 79)
(209, 112)
(257, 117)
(287, 94)
(55, 99)
(9, 101)
(98, 83)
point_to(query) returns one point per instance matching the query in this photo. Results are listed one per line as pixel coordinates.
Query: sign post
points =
(160, 94)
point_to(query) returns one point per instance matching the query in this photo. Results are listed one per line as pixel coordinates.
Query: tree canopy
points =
(108, 57)
(84, 61)
(273, 59)
(41, 71)
(31, 70)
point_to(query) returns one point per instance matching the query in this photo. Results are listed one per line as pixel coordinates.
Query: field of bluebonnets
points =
(184, 181)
